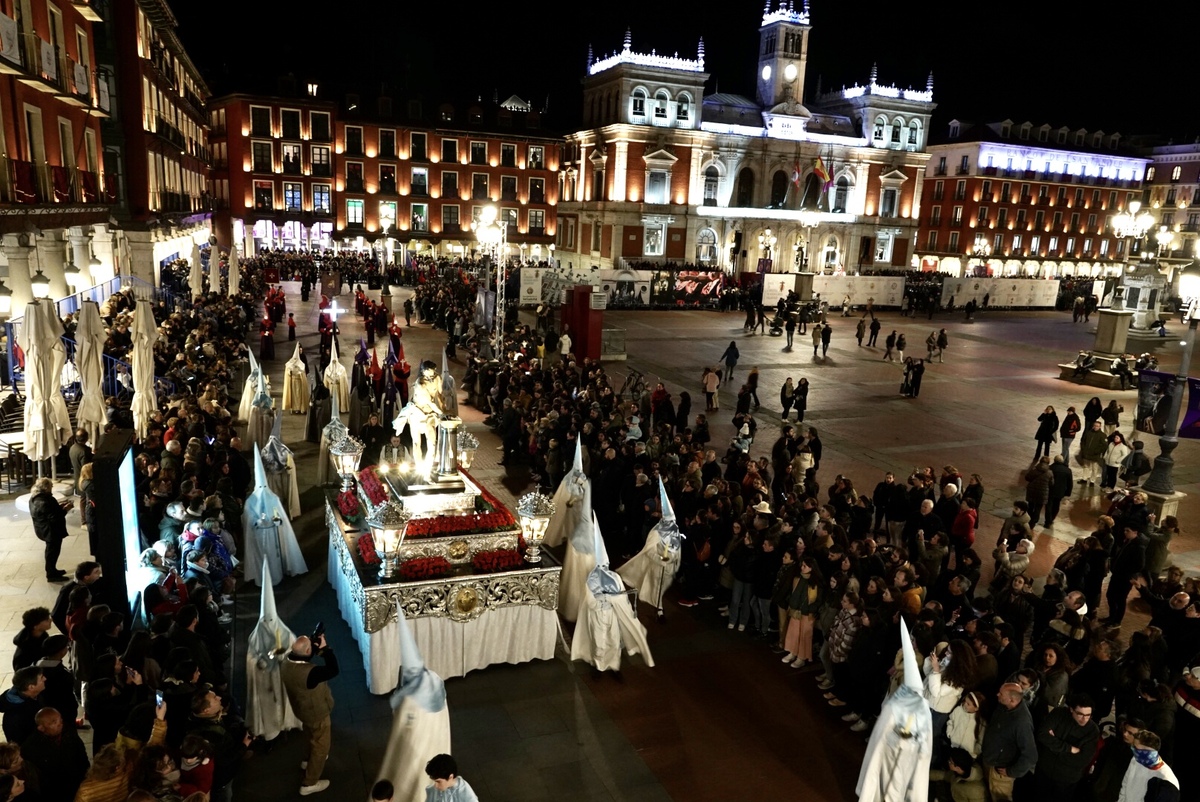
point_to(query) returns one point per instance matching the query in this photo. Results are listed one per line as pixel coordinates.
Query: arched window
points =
(779, 187)
(639, 103)
(661, 99)
(897, 127)
(914, 135)
(706, 247)
(841, 194)
(745, 188)
(683, 109)
(810, 197)
(711, 181)
(880, 125)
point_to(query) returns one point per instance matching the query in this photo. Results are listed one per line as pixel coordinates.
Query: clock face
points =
(789, 72)
(766, 72)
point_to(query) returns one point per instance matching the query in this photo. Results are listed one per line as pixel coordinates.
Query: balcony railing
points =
(178, 202)
(321, 134)
(26, 183)
(322, 170)
(354, 185)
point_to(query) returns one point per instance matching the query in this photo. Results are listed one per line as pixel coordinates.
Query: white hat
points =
(745, 429)
(762, 507)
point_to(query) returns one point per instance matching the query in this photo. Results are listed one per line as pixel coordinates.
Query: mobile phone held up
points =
(317, 632)
(158, 699)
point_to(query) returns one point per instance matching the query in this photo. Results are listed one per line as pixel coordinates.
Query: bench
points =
(1096, 377)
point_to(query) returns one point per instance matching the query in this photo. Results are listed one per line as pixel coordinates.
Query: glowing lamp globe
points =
(534, 511)
(346, 454)
(388, 526)
(40, 285)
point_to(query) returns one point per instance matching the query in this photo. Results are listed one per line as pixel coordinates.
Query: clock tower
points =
(782, 53)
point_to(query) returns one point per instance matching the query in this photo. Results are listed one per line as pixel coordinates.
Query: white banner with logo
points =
(776, 286)
(49, 62)
(1035, 293)
(81, 80)
(531, 286)
(880, 290)
(9, 47)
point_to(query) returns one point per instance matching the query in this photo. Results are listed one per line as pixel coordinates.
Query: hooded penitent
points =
(420, 721)
(281, 469)
(653, 569)
(263, 507)
(449, 389)
(295, 384)
(250, 388)
(606, 622)
(268, 711)
(896, 765)
(572, 522)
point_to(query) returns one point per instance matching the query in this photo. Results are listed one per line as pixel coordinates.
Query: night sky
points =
(1062, 62)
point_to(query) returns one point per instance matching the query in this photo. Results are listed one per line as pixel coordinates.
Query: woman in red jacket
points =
(962, 531)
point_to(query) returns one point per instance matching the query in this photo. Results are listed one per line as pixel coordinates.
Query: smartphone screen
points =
(158, 698)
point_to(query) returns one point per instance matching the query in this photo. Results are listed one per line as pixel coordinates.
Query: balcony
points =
(537, 197)
(169, 132)
(323, 211)
(26, 183)
(354, 149)
(322, 170)
(451, 227)
(262, 166)
(537, 231)
(174, 202)
(354, 184)
(958, 196)
(91, 9)
(989, 171)
(938, 197)
(320, 133)
(291, 167)
(956, 223)
(508, 195)
(387, 186)
(941, 170)
(963, 171)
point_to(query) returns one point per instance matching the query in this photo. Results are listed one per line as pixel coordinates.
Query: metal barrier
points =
(140, 289)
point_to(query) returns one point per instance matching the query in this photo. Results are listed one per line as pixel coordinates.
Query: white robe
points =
(264, 501)
(295, 386)
(604, 625)
(648, 572)
(268, 711)
(572, 584)
(285, 485)
(896, 765)
(572, 522)
(417, 735)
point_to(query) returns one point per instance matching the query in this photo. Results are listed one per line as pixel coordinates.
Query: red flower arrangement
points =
(422, 568)
(366, 549)
(491, 562)
(368, 480)
(349, 507)
(447, 525)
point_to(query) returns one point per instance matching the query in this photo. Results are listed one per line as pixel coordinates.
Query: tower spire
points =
(874, 73)
(700, 52)
(591, 57)
(628, 39)
(929, 82)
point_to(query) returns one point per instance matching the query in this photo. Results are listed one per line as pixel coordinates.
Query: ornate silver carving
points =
(450, 547)
(460, 599)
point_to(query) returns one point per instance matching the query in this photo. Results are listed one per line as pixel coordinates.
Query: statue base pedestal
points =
(425, 497)
(1161, 505)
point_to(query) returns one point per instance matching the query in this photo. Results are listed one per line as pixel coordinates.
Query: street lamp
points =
(1160, 482)
(40, 285)
(73, 275)
(492, 235)
(1131, 224)
(1166, 240)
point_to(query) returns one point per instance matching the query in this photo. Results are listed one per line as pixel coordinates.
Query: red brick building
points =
(273, 175)
(52, 185)
(1018, 199)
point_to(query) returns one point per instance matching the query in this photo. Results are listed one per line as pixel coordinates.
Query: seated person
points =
(1084, 363)
(1119, 367)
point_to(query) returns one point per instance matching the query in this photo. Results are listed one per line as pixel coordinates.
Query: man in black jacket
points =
(56, 754)
(1066, 745)
(86, 573)
(1128, 560)
(49, 524)
(1061, 483)
(21, 703)
(1009, 750)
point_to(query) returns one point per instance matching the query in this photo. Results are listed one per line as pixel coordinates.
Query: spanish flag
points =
(822, 173)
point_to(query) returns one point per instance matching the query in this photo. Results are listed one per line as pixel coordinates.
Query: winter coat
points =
(1070, 425)
(1115, 454)
(1092, 445)
(1063, 480)
(1039, 478)
(1047, 426)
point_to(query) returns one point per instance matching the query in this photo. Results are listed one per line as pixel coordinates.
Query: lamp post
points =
(534, 511)
(492, 235)
(1132, 224)
(346, 453)
(388, 526)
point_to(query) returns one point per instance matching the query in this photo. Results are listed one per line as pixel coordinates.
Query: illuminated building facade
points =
(156, 146)
(415, 179)
(273, 178)
(664, 173)
(53, 187)
(1012, 198)
(1173, 196)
